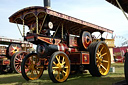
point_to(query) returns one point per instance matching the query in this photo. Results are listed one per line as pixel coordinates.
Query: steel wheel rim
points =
(103, 59)
(33, 68)
(61, 67)
(18, 61)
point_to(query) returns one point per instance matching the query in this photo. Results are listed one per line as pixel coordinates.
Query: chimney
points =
(47, 4)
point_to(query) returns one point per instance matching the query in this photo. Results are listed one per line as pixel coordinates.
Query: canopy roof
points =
(7, 41)
(73, 25)
(123, 3)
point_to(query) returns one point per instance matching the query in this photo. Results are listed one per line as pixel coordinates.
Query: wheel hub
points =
(60, 67)
(100, 59)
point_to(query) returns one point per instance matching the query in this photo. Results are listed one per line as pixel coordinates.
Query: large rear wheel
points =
(31, 67)
(100, 59)
(59, 67)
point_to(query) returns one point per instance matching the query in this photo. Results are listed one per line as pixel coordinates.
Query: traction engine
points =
(11, 55)
(64, 45)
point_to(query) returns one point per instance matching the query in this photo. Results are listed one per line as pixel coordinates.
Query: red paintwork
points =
(85, 43)
(119, 53)
(64, 47)
(85, 58)
(49, 40)
(6, 62)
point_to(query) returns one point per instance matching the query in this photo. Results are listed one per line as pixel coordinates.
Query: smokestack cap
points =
(47, 4)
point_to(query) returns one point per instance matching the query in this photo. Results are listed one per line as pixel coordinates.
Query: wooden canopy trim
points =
(37, 10)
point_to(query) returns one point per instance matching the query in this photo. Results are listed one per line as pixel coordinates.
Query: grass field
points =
(78, 79)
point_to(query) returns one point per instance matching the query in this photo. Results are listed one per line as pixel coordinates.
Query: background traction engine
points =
(11, 58)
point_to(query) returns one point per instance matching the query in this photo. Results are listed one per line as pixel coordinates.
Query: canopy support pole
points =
(121, 9)
(62, 33)
(42, 23)
(56, 30)
(23, 29)
(37, 31)
(19, 29)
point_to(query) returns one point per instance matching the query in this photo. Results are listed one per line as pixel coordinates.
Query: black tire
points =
(31, 63)
(99, 67)
(63, 71)
(126, 68)
(19, 60)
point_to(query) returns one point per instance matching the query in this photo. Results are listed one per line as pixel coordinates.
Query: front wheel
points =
(31, 67)
(59, 67)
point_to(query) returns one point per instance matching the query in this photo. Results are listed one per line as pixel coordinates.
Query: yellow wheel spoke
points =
(98, 66)
(54, 71)
(65, 72)
(58, 59)
(54, 63)
(103, 67)
(97, 54)
(96, 57)
(98, 51)
(63, 63)
(63, 59)
(58, 75)
(101, 49)
(55, 67)
(100, 70)
(105, 61)
(97, 61)
(103, 54)
(66, 67)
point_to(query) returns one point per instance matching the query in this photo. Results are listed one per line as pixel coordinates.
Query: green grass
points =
(79, 79)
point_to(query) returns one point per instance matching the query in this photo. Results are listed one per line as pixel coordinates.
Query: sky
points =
(98, 12)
